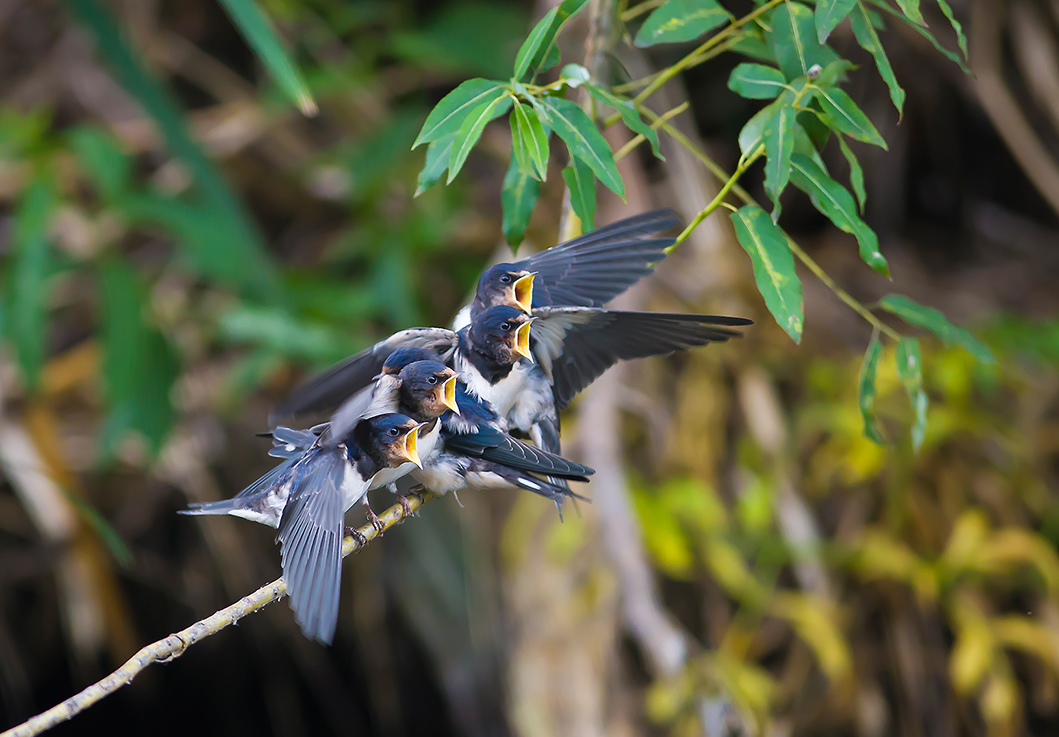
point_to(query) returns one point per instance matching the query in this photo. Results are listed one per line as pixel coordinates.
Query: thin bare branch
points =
(177, 643)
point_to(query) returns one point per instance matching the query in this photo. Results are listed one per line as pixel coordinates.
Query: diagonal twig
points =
(175, 644)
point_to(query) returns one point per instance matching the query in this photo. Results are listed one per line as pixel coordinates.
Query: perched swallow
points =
(317, 489)
(500, 335)
(587, 271)
(572, 346)
(475, 452)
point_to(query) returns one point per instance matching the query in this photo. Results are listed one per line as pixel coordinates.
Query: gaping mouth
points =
(448, 394)
(522, 339)
(411, 453)
(523, 289)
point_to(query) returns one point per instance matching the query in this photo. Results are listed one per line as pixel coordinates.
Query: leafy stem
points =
(731, 185)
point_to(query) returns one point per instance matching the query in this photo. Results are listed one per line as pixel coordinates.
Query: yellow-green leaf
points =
(681, 20)
(773, 263)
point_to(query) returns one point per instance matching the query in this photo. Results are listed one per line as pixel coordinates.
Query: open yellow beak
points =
(522, 339)
(523, 288)
(448, 394)
(411, 453)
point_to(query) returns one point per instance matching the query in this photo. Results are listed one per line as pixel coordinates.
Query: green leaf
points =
(681, 20)
(541, 35)
(834, 201)
(574, 75)
(911, 10)
(847, 118)
(829, 13)
(866, 390)
(960, 38)
(584, 140)
(241, 246)
(774, 273)
(517, 198)
(779, 144)
(756, 81)
(27, 292)
(532, 140)
(139, 366)
(856, 174)
(793, 40)
(538, 46)
(102, 160)
(910, 372)
(449, 114)
(927, 317)
(869, 41)
(834, 73)
(629, 115)
(753, 133)
(922, 31)
(582, 186)
(263, 39)
(471, 131)
(437, 162)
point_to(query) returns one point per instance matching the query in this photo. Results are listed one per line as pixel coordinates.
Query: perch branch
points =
(175, 644)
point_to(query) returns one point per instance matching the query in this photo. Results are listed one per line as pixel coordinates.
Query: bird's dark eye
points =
(394, 432)
(432, 380)
(505, 279)
(505, 326)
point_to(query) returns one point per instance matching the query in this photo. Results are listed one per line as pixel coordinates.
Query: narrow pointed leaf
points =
(911, 10)
(517, 198)
(582, 186)
(102, 161)
(449, 114)
(28, 289)
(946, 10)
(793, 40)
(756, 81)
(629, 115)
(910, 372)
(437, 163)
(535, 40)
(829, 13)
(834, 201)
(868, 39)
(263, 39)
(866, 390)
(139, 366)
(533, 139)
(856, 174)
(681, 20)
(471, 131)
(773, 263)
(927, 317)
(847, 117)
(533, 55)
(779, 144)
(584, 140)
(925, 33)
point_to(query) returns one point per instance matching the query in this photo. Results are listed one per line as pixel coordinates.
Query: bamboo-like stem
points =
(658, 123)
(177, 643)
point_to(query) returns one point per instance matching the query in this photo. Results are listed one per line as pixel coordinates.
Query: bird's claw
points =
(406, 508)
(357, 535)
(374, 519)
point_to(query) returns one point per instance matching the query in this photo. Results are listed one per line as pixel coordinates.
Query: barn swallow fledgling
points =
(588, 271)
(317, 489)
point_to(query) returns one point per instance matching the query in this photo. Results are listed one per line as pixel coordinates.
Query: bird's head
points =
(391, 439)
(429, 389)
(403, 357)
(503, 334)
(506, 284)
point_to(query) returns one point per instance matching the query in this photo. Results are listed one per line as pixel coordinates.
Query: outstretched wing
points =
(596, 267)
(499, 447)
(310, 536)
(326, 391)
(574, 345)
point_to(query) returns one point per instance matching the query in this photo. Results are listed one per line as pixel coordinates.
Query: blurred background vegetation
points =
(178, 244)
